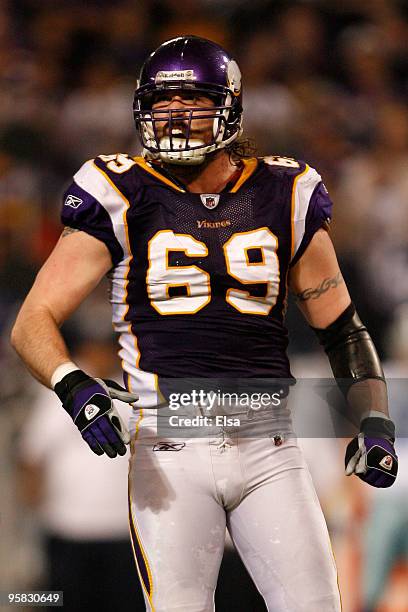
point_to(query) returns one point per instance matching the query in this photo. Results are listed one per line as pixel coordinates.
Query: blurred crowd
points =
(324, 80)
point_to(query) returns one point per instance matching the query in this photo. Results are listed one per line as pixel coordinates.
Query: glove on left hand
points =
(371, 455)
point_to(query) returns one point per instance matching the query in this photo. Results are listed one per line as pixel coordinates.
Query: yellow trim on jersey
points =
(249, 167)
(123, 198)
(125, 297)
(292, 212)
(125, 278)
(140, 161)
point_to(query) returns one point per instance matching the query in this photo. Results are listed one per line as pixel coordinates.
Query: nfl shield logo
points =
(210, 200)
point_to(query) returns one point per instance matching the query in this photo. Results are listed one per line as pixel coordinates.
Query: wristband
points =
(63, 370)
(375, 427)
(64, 387)
(374, 413)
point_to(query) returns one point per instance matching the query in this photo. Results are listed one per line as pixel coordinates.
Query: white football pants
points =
(184, 492)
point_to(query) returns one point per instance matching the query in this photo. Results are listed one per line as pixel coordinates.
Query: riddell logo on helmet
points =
(174, 75)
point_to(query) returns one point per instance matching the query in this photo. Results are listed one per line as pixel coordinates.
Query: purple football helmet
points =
(184, 65)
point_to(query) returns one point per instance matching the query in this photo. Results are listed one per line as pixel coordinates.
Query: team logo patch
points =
(234, 77)
(210, 200)
(73, 201)
(167, 446)
(90, 411)
(174, 75)
(387, 462)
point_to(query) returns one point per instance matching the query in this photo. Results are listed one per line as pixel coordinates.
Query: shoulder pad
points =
(93, 203)
(120, 171)
(118, 163)
(288, 165)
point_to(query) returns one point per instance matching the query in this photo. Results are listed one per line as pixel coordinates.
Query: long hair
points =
(242, 148)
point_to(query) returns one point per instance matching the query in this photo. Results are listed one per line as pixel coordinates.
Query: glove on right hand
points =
(88, 401)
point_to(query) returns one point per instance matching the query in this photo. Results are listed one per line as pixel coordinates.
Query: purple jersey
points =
(199, 281)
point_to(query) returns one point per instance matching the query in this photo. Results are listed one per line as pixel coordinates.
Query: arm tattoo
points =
(316, 292)
(69, 230)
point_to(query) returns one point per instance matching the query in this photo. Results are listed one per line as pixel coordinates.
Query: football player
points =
(200, 245)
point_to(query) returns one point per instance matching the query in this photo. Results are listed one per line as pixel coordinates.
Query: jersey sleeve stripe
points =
(303, 187)
(144, 383)
(99, 185)
(106, 193)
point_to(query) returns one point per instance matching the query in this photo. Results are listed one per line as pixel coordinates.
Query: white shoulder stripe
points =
(94, 182)
(304, 186)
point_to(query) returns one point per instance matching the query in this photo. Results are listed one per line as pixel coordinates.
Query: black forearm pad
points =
(351, 351)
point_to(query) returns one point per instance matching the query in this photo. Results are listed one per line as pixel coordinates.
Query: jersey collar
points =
(249, 167)
(143, 164)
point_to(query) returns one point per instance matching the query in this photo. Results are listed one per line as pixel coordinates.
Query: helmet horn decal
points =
(234, 77)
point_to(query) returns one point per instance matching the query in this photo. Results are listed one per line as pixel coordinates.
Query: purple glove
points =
(371, 455)
(88, 401)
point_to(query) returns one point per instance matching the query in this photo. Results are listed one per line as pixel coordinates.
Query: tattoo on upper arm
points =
(69, 230)
(313, 293)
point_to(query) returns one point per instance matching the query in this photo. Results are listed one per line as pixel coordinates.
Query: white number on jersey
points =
(266, 271)
(275, 160)
(118, 163)
(161, 276)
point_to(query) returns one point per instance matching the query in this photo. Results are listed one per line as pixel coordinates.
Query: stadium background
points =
(325, 81)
